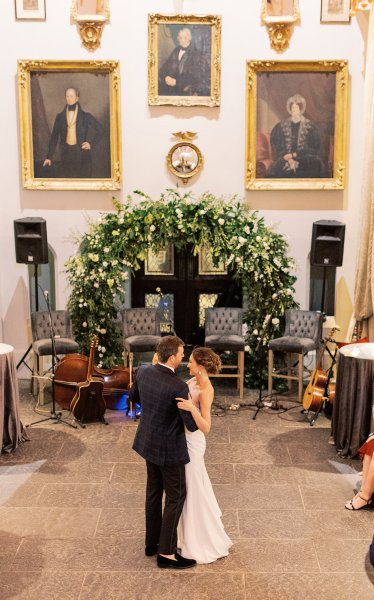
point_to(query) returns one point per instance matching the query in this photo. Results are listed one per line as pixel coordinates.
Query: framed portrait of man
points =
(184, 64)
(296, 124)
(70, 124)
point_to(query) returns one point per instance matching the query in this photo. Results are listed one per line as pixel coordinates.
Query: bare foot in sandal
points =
(358, 502)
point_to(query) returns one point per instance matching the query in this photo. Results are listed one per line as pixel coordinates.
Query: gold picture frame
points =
(30, 10)
(91, 158)
(280, 16)
(306, 148)
(198, 84)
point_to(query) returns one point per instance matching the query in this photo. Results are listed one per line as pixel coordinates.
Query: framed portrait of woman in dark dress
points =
(296, 124)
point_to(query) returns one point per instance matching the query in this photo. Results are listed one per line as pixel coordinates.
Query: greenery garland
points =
(117, 244)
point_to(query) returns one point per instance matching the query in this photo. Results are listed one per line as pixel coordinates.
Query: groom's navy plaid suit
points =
(161, 440)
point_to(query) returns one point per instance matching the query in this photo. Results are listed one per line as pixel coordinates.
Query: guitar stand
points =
(325, 396)
(55, 416)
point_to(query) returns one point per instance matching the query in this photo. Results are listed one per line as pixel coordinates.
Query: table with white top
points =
(352, 412)
(11, 429)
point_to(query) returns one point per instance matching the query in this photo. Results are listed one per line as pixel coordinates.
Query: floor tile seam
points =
(85, 576)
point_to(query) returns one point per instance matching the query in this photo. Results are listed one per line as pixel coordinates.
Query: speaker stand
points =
(22, 361)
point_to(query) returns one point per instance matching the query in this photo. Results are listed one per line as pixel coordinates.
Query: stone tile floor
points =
(72, 522)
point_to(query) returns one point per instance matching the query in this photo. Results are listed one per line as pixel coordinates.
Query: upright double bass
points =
(73, 368)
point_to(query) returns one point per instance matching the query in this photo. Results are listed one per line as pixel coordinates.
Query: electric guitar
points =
(314, 393)
(88, 403)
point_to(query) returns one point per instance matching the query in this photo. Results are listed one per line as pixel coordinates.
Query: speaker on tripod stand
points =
(325, 255)
(30, 236)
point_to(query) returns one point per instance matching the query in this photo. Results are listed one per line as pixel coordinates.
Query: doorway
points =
(182, 285)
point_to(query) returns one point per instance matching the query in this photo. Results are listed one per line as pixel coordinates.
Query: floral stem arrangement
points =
(118, 242)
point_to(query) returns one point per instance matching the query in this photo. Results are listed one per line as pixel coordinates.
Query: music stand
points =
(54, 416)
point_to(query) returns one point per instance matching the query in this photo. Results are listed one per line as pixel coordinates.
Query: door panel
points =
(184, 295)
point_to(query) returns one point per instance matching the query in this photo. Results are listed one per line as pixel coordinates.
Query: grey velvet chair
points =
(302, 334)
(42, 343)
(223, 331)
(141, 332)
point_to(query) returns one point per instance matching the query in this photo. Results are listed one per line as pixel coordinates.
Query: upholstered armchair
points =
(302, 334)
(42, 342)
(223, 331)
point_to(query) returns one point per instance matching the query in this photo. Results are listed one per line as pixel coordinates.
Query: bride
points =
(201, 534)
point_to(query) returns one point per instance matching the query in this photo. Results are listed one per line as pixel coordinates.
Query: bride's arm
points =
(203, 418)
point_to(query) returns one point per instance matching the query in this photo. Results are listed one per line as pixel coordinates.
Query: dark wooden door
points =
(185, 293)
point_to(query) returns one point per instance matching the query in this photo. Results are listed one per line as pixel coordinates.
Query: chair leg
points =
(241, 374)
(300, 376)
(270, 372)
(35, 372)
(289, 370)
(41, 380)
(125, 361)
(131, 363)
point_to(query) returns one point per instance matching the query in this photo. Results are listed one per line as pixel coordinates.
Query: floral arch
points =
(118, 242)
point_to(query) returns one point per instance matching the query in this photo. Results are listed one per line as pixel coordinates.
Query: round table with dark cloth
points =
(352, 412)
(11, 429)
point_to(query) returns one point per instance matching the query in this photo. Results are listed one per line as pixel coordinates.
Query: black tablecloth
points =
(11, 429)
(354, 397)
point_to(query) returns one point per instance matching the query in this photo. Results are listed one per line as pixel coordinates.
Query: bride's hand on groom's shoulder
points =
(184, 404)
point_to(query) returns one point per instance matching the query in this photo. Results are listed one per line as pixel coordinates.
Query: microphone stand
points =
(259, 403)
(56, 417)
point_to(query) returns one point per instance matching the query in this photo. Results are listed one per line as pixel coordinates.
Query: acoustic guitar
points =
(314, 393)
(88, 403)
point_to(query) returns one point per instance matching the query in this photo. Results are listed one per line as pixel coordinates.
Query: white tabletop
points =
(365, 351)
(6, 348)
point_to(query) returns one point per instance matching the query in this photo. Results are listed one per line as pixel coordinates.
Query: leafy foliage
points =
(118, 242)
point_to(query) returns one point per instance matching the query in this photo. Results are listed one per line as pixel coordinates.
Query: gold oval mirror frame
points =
(184, 160)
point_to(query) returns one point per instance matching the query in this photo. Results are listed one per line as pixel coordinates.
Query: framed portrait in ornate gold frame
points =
(70, 124)
(296, 125)
(184, 60)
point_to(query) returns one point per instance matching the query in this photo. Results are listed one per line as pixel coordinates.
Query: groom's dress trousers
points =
(161, 441)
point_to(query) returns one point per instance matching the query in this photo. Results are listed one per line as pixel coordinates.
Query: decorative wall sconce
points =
(360, 5)
(280, 16)
(90, 17)
(184, 158)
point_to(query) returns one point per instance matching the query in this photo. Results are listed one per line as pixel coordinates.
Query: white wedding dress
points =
(201, 534)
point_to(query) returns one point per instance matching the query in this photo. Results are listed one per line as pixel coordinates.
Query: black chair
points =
(42, 342)
(302, 334)
(223, 331)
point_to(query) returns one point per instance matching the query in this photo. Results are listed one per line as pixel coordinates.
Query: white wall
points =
(146, 134)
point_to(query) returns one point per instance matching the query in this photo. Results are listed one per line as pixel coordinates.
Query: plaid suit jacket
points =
(160, 437)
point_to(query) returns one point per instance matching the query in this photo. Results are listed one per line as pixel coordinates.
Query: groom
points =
(161, 440)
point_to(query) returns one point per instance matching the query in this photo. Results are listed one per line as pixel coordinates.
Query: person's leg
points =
(367, 486)
(363, 498)
(175, 492)
(153, 504)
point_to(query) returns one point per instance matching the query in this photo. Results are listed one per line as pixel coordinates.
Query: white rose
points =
(84, 324)
(221, 221)
(255, 332)
(152, 228)
(275, 321)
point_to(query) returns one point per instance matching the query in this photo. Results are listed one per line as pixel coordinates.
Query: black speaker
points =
(327, 244)
(30, 236)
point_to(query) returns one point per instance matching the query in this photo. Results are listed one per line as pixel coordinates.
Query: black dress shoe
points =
(180, 563)
(151, 550)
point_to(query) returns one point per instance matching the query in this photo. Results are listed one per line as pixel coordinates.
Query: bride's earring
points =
(199, 372)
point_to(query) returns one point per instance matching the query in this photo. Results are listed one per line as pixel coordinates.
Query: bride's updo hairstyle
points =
(207, 359)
